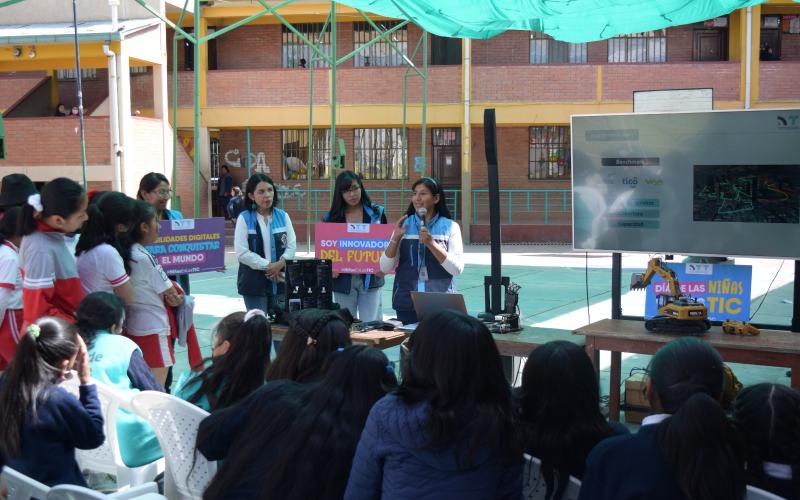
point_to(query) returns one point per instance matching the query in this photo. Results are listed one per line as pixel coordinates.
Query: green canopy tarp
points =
(567, 20)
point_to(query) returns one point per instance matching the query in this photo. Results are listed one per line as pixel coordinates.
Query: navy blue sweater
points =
(392, 462)
(62, 424)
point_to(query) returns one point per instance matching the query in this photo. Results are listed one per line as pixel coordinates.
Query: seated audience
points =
(769, 417)
(557, 412)
(447, 432)
(275, 449)
(687, 450)
(312, 335)
(42, 423)
(117, 361)
(238, 363)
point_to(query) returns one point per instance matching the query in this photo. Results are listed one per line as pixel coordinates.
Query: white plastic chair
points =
(176, 422)
(534, 486)
(754, 493)
(147, 491)
(107, 458)
(22, 487)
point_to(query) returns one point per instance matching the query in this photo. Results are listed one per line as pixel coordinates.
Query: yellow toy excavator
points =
(677, 313)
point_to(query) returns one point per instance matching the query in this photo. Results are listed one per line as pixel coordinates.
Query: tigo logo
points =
(630, 181)
(789, 121)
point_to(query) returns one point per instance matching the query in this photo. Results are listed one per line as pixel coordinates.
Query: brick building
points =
(255, 83)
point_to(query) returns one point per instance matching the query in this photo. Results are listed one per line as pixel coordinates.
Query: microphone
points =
(421, 213)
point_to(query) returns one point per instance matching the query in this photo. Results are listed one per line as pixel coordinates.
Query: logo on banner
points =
(357, 228)
(706, 269)
(182, 224)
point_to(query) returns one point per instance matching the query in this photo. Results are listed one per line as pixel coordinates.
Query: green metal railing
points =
(525, 206)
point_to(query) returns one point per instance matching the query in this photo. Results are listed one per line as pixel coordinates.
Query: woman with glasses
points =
(359, 293)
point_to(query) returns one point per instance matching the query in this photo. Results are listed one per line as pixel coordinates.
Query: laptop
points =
(427, 303)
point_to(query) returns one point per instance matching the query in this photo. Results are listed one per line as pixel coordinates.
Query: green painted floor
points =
(555, 286)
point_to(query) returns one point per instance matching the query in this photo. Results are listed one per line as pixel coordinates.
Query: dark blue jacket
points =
(252, 281)
(342, 284)
(392, 462)
(62, 424)
(629, 467)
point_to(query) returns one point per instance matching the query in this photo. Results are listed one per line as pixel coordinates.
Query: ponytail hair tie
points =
(34, 330)
(35, 201)
(252, 313)
(311, 341)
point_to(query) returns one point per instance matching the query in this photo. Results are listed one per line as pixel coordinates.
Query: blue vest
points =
(109, 359)
(187, 385)
(252, 281)
(342, 284)
(413, 257)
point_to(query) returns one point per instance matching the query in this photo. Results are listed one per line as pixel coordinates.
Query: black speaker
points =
(493, 283)
(309, 284)
(325, 284)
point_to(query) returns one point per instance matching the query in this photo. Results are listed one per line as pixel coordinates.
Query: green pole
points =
(333, 89)
(197, 21)
(310, 157)
(248, 152)
(176, 201)
(424, 96)
(80, 91)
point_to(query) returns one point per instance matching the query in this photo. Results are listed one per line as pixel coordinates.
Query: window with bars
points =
(294, 154)
(545, 50)
(378, 153)
(139, 70)
(650, 46)
(296, 54)
(71, 74)
(380, 53)
(549, 153)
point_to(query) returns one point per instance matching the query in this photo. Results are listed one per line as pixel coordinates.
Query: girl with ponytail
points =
(10, 286)
(101, 266)
(42, 423)
(312, 335)
(50, 284)
(769, 417)
(238, 363)
(688, 449)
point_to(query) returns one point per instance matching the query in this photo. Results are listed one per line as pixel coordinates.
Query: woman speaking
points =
(426, 249)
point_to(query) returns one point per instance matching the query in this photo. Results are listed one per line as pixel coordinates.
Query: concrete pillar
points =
(129, 185)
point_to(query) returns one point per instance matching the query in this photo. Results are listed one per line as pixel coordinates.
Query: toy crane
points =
(677, 313)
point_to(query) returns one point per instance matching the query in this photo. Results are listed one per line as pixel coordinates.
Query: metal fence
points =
(517, 206)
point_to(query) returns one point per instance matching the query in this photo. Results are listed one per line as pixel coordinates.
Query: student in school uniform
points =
(10, 286)
(50, 282)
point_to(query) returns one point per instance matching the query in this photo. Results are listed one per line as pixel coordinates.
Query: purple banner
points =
(188, 246)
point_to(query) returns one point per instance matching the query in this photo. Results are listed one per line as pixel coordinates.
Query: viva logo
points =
(654, 182)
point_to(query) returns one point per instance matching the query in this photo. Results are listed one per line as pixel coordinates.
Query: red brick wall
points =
(597, 52)
(273, 87)
(509, 48)
(523, 233)
(680, 40)
(385, 85)
(13, 88)
(185, 88)
(534, 83)
(250, 47)
(620, 80)
(142, 91)
(56, 140)
(95, 91)
(790, 47)
(185, 185)
(778, 80)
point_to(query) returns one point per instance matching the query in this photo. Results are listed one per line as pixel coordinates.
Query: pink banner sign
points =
(353, 248)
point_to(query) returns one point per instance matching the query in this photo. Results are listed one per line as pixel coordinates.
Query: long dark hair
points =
(252, 184)
(769, 417)
(454, 366)
(61, 196)
(97, 313)
(106, 211)
(343, 182)
(30, 375)
(234, 375)
(699, 443)
(149, 182)
(321, 441)
(312, 335)
(558, 411)
(435, 188)
(143, 213)
(9, 224)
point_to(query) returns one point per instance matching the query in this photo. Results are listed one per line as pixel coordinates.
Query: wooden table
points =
(374, 338)
(515, 345)
(771, 348)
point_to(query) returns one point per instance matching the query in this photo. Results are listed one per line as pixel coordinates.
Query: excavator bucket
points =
(636, 281)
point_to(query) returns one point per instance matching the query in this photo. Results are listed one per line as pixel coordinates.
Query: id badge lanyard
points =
(421, 267)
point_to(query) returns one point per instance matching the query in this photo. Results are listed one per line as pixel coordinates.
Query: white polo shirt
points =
(147, 315)
(101, 269)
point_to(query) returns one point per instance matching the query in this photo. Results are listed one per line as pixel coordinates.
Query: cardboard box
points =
(636, 404)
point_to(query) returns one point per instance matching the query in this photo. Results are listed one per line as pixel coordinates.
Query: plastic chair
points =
(176, 422)
(534, 486)
(107, 458)
(22, 487)
(754, 493)
(147, 491)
